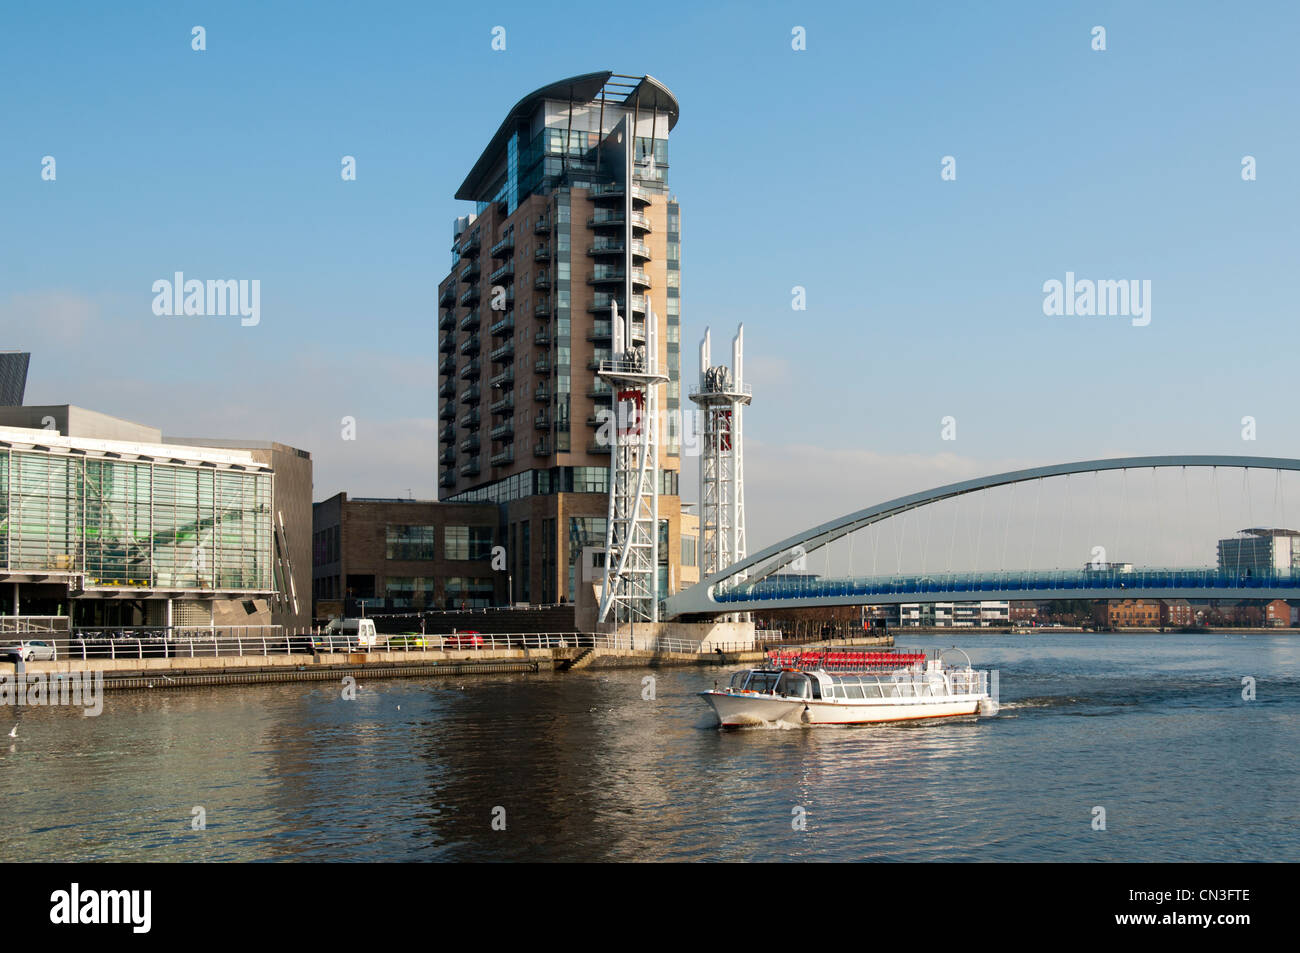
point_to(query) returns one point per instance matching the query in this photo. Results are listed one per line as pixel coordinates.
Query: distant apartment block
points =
(1261, 552)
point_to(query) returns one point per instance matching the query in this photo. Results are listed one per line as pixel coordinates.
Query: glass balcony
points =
(503, 405)
(504, 353)
(503, 247)
(471, 272)
(448, 478)
(542, 253)
(471, 396)
(505, 379)
(504, 326)
(470, 321)
(600, 331)
(505, 273)
(447, 389)
(542, 422)
(543, 225)
(447, 434)
(470, 469)
(448, 410)
(471, 371)
(470, 444)
(448, 366)
(542, 338)
(469, 421)
(542, 281)
(543, 366)
(471, 296)
(504, 431)
(503, 457)
(447, 456)
(542, 448)
(447, 321)
(543, 310)
(447, 344)
(470, 345)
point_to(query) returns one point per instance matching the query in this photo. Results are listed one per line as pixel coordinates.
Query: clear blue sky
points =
(817, 168)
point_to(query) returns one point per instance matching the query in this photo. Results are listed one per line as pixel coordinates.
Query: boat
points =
(814, 688)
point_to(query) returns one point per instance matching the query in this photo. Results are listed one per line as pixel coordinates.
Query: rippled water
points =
(1152, 728)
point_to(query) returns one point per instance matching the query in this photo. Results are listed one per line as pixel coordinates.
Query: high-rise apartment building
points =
(524, 322)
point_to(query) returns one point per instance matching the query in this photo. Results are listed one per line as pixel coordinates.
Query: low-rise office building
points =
(403, 554)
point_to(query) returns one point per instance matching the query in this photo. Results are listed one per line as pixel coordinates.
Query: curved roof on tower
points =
(586, 88)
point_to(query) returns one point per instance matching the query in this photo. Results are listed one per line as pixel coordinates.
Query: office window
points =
(410, 543)
(468, 542)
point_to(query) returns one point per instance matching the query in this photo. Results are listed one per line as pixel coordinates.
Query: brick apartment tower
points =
(524, 321)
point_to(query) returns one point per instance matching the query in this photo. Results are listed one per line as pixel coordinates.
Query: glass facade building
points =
(136, 524)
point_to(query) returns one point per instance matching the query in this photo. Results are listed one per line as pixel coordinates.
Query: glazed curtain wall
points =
(135, 524)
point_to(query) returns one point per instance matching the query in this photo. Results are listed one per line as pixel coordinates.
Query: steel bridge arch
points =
(698, 599)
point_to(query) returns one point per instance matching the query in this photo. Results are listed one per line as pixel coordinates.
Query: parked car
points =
(35, 650)
(404, 643)
(463, 640)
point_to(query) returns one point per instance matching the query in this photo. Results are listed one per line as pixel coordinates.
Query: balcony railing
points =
(542, 338)
(470, 321)
(448, 410)
(470, 444)
(469, 421)
(506, 271)
(503, 247)
(504, 430)
(542, 448)
(447, 343)
(543, 225)
(471, 396)
(472, 370)
(504, 457)
(505, 379)
(542, 422)
(503, 353)
(447, 321)
(470, 469)
(471, 272)
(543, 366)
(542, 253)
(470, 345)
(505, 326)
(448, 478)
(471, 295)
(543, 310)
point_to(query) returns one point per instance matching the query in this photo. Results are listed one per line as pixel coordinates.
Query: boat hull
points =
(738, 710)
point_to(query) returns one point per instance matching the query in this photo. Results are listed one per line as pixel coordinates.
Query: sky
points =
(818, 168)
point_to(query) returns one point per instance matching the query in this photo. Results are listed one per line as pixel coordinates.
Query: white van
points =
(346, 634)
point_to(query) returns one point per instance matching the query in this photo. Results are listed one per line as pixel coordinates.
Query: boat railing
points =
(845, 661)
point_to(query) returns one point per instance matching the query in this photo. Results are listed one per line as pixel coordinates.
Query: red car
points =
(463, 640)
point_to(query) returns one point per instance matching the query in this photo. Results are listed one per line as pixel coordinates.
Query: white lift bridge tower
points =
(722, 395)
(631, 577)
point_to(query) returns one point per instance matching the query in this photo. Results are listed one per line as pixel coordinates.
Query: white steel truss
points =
(722, 395)
(631, 575)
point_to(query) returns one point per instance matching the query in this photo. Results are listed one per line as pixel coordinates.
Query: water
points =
(1152, 728)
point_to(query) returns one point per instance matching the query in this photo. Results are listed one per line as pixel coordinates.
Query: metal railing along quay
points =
(239, 641)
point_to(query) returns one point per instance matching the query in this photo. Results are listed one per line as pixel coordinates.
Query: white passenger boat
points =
(852, 688)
